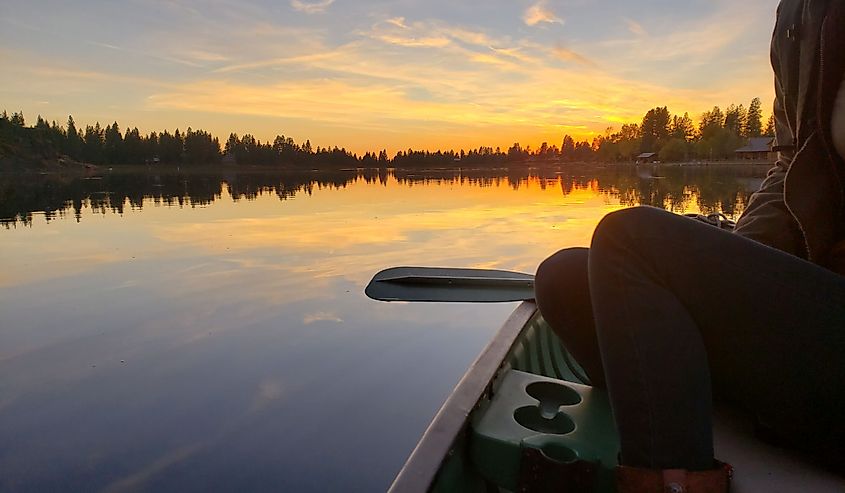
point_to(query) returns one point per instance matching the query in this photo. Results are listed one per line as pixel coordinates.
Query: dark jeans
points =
(664, 308)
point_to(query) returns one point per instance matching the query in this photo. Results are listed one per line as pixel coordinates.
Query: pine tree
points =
(18, 119)
(113, 145)
(73, 143)
(655, 129)
(770, 126)
(567, 149)
(92, 150)
(133, 147)
(682, 128)
(711, 122)
(151, 147)
(754, 123)
(735, 119)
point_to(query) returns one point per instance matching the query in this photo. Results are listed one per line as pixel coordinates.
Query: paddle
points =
(437, 284)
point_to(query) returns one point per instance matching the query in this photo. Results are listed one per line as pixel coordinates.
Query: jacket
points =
(800, 207)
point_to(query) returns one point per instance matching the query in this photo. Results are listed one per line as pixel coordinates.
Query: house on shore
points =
(758, 149)
(647, 157)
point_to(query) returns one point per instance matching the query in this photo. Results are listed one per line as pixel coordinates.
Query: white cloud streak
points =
(635, 27)
(321, 317)
(312, 7)
(540, 13)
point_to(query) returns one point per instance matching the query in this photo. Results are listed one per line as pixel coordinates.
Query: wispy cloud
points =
(471, 43)
(321, 317)
(476, 85)
(278, 62)
(540, 13)
(398, 22)
(374, 92)
(571, 56)
(635, 27)
(147, 54)
(93, 76)
(205, 56)
(412, 41)
(311, 7)
(699, 40)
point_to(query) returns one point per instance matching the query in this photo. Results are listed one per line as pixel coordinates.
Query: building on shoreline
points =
(647, 157)
(758, 149)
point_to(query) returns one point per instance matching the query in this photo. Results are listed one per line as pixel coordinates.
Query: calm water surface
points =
(168, 331)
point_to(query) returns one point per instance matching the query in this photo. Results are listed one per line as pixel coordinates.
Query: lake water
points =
(188, 331)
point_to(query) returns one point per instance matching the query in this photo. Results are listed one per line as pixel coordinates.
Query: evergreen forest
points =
(714, 136)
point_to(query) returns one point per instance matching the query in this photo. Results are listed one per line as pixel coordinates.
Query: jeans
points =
(667, 312)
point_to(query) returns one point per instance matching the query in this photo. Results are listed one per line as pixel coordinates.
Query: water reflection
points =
(187, 332)
(677, 188)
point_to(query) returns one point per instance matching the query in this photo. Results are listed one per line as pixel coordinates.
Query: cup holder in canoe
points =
(559, 453)
(530, 417)
(553, 395)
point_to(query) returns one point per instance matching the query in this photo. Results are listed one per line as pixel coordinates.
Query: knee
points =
(563, 266)
(619, 227)
(562, 275)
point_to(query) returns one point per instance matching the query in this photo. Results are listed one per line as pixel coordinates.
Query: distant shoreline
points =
(69, 167)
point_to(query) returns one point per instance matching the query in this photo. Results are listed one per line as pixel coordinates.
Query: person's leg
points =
(563, 298)
(675, 300)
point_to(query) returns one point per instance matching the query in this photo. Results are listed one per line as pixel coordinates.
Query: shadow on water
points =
(714, 188)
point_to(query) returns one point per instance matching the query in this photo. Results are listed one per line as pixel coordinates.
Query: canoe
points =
(524, 418)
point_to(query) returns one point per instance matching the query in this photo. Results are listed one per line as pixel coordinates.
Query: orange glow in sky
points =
(367, 76)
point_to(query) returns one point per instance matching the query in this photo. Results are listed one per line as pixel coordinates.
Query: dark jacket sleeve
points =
(767, 219)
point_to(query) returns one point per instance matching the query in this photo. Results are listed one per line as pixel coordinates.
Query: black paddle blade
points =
(444, 285)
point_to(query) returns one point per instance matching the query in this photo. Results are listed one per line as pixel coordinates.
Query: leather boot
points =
(636, 480)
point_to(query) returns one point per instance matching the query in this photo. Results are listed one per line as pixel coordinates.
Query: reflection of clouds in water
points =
(7, 401)
(54, 261)
(269, 391)
(137, 480)
(361, 225)
(321, 317)
(233, 266)
(436, 225)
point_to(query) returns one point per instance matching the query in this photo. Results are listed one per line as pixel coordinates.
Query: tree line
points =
(673, 137)
(104, 145)
(677, 138)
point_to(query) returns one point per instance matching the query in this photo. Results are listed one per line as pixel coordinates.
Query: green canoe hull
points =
(523, 419)
(523, 404)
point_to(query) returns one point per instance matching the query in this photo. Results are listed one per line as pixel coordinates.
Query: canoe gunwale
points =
(421, 468)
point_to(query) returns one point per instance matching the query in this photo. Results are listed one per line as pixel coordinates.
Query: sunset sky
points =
(370, 74)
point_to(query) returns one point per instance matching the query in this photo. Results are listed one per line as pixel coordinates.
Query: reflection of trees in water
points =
(22, 195)
(713, 189)
(678, 188)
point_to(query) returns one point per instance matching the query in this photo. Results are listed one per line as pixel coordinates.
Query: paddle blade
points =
(444, 285)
